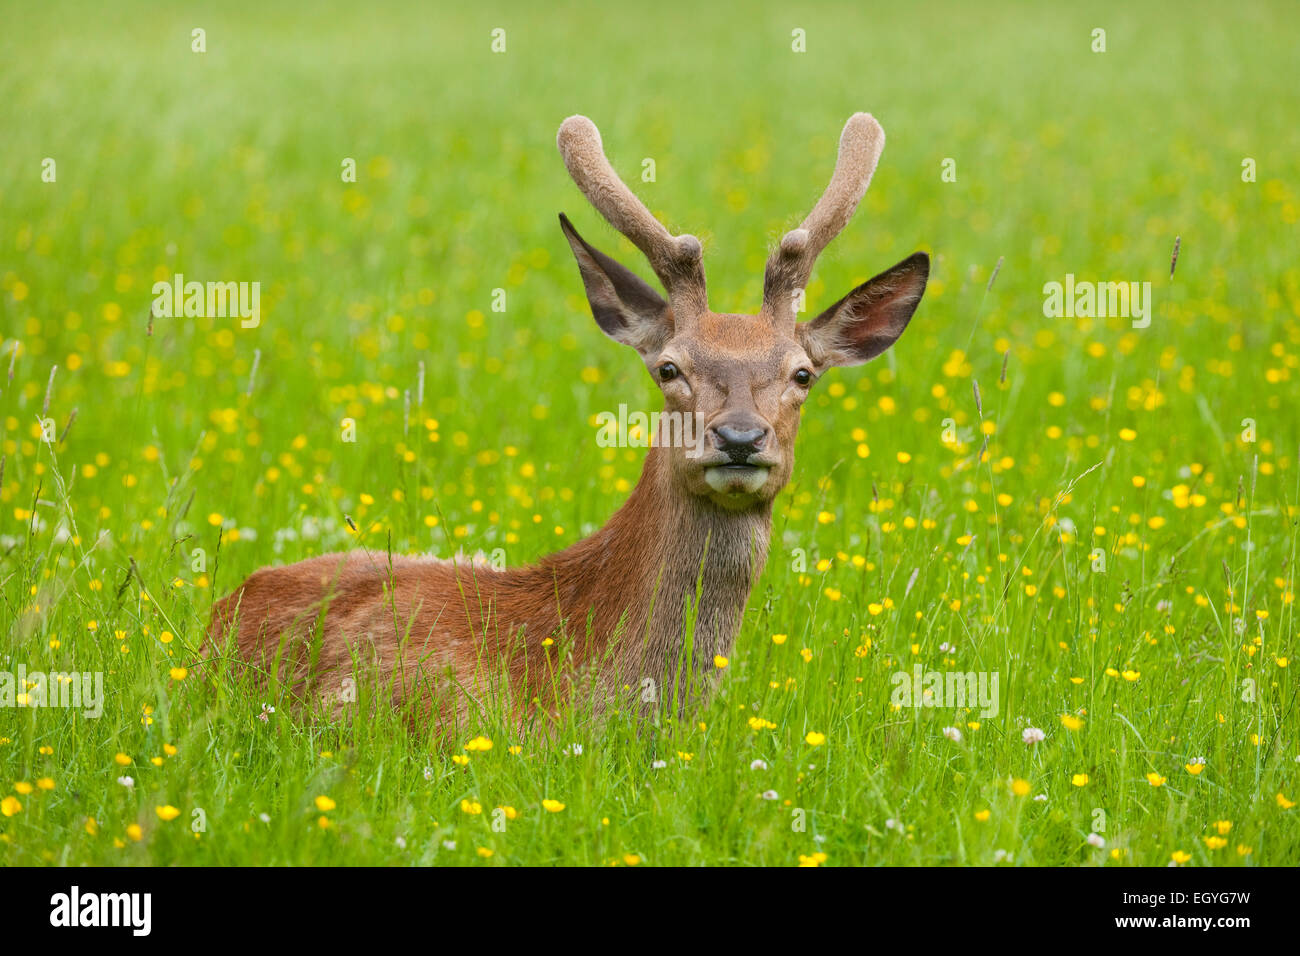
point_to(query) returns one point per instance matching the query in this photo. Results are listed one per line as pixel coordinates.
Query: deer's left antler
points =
(676, 260)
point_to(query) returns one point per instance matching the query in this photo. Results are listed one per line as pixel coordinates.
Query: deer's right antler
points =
(790, 266)
(676, 260)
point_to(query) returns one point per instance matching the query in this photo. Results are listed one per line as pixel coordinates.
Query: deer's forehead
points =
(737, 341)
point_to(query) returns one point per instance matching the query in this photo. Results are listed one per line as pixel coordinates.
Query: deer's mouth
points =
(735, 478)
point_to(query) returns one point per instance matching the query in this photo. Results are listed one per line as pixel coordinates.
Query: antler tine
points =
(790, 265)
(676, 260)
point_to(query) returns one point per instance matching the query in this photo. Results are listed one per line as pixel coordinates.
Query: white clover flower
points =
(401, 842)
(953, 734)
(126, 782)
(762, 765)
(770, 795)
(1096, 840)
(428, 773)
(659, 764)
(1032, 735)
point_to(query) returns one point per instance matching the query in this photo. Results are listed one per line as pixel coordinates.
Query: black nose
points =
(739, 443)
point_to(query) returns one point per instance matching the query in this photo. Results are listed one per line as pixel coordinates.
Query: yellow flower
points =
(1131, 675)
(806, 654)
(779, 638)
(1215, 842)
(167, 813)
(10, 805)
(91, 826)
(1020, 787)
(479, 744)
(1071, 722)
(45, 783)
(122, 759)
(1283, 802)
(460, 760)
(472, 807)
(552, 806)
(815, 739)
(325, 804)
(1180, 856)
(1155, 779)
(631, 859)
(178, 673)
(323, 822)
(484, 852)
(134, 832)
(23, 787)
(817, 859)
(1193, 768)
(982, 815)
(510, 812)
(1223, 826)
(720, 662)
(1079, 780)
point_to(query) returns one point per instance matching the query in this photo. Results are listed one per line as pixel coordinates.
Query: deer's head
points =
(741, 379)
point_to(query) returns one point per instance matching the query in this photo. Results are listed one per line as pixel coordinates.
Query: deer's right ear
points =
(624, 305)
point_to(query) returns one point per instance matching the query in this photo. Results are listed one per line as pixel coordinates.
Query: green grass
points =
(225, 166)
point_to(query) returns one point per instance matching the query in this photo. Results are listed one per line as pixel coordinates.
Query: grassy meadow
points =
(1122, 555)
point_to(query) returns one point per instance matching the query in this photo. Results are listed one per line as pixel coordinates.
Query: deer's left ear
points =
(869, 319)
(623, 304)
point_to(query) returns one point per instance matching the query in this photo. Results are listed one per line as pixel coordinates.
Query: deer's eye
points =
(668, 371)
(803, 377)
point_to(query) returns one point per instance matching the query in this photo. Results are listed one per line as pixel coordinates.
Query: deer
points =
(653, 598)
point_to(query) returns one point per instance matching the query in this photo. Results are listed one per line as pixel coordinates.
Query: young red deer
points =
(673, 568)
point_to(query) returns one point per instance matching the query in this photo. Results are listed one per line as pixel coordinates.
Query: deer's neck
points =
(666, 568)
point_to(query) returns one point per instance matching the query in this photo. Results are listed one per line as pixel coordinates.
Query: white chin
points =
(736, 481)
